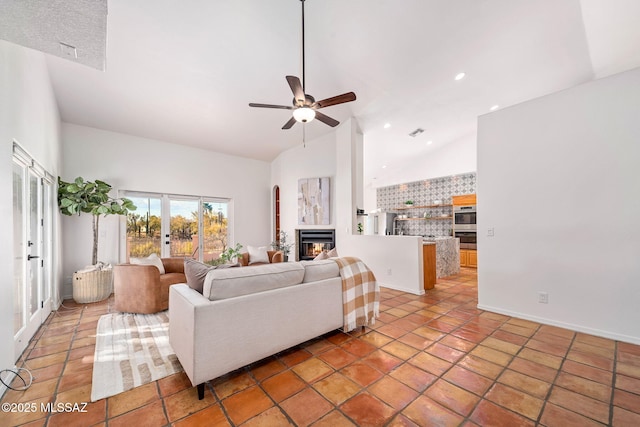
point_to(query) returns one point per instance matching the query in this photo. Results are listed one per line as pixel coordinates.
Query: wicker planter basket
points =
(92, 286)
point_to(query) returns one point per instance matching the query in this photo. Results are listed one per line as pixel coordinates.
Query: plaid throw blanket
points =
(360, 293)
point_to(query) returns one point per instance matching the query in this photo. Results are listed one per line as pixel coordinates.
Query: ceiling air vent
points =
(416, 132)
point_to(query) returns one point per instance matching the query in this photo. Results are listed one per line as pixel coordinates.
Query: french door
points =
(32, 245)
(177, 226)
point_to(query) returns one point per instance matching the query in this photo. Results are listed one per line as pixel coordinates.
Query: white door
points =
(32, 201)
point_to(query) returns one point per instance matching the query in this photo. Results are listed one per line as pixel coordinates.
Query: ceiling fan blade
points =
(291, 122)
(326, 119)
(340, 99)
(283, 107)
(296, 88)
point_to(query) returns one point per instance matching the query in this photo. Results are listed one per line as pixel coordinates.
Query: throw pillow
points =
(322, 255)
(152, 259)
(196, 272)
(333, 253)
(258, 255)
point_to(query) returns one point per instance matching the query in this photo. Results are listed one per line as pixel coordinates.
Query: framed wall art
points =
(314, 201)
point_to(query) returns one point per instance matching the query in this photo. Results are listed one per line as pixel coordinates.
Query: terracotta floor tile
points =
(628, 358)
(8, 418)
(591, 360)
(518, 330)
(550, 338)
(393, 392)
(132, 399)
(628, 370)
(584, 386)
(397, 312)
(489, 414)
(227, 385)
(83, 353)
(406, 324)
(430, 363)
(337, 388)
(428, 333)
(509, 337)
(78, 394)
(402, 421)
(515, 400)
(338, 337)
(271, 417)
(584, 347)
(541, 358)
(376, 338)
(626, 400)
(494, 356)
(312, 370)
(75, 379)
(503, 346)
(246, 404)
(332, 419)
(425, 412)
(555, 330)
(283, 385)
(337, 357)
(382, 361)
(481, 366)
(555, 416)
(318, 346)
(533, 369)
(400, 350)
(211, 416)
(150, 415)
(49, 349)
(452, 397)
(622, 417)
(415, 341)
(468, 380)
(95, 413)
(595, 341)
(629, 348)
(366, 410)
(469, 335)
(554, 349)
(628, 383)
(525, 383)
(38, 389)
(362, 373)
(446, 353)
(414, 377)
(358, 347)
(392, 331)
(293, 357)
(306, 407)
(584, 405)
(44, 361)
(588, 372)
(457, 343)
(186, 402)
(173, 384)
(441, 326)
(267, 368)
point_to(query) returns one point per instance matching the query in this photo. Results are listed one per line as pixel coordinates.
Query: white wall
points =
(138, 164)
(28, 115)
(558, 180)
(454, 158)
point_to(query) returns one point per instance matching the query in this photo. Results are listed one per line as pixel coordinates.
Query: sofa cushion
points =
(319, 270)
(258, 255)
(233, 282)
(322, 255)
(152, 259)
(196, 272)
(333, 253)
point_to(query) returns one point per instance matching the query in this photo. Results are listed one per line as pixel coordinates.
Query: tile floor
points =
(430, 360)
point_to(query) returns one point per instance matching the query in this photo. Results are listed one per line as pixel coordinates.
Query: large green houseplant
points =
(80, 196)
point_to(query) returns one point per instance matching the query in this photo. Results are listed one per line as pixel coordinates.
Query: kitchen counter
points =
(447, 255)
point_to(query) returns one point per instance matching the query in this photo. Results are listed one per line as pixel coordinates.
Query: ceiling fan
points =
(305, 107)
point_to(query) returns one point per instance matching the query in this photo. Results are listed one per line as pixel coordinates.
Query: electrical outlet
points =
(490, 232)
(543, 297)
(389, 272)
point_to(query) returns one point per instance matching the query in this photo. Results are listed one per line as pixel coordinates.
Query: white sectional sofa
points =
(246, 314)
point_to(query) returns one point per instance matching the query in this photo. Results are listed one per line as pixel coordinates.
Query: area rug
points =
(131, 350)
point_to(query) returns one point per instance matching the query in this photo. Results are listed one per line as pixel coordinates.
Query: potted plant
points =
(281, 245)
(408, 203)
(231, 255)
(80, 196)
(360, 228)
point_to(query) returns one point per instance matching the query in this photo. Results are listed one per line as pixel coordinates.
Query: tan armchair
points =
(142, 289)
(274, 256)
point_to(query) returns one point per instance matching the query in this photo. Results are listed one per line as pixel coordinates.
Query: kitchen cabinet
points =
(464, 200)
(429, 265)
(468, 258)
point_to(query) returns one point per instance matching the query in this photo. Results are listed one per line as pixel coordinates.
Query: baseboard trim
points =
(565, 325)
(11, 375)
(409, 291)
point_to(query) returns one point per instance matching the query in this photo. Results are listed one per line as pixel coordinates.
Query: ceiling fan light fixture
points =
(304, 114)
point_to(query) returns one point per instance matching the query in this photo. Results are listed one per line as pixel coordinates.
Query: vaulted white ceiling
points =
(185, 71)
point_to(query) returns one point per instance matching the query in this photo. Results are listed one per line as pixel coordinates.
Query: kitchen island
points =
(440, 258)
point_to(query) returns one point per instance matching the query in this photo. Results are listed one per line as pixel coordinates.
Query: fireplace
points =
(311, 242)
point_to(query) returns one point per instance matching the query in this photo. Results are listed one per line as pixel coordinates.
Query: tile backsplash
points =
(423, 193)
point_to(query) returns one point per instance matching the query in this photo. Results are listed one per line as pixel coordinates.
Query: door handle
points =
(30, 257)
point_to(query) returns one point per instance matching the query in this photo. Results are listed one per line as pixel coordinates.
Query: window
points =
(177, 226)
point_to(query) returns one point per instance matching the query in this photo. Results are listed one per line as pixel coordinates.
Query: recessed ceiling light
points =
(494, 108)
(460, 76)
(429, 142)
(384, 166)
(387, 125)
